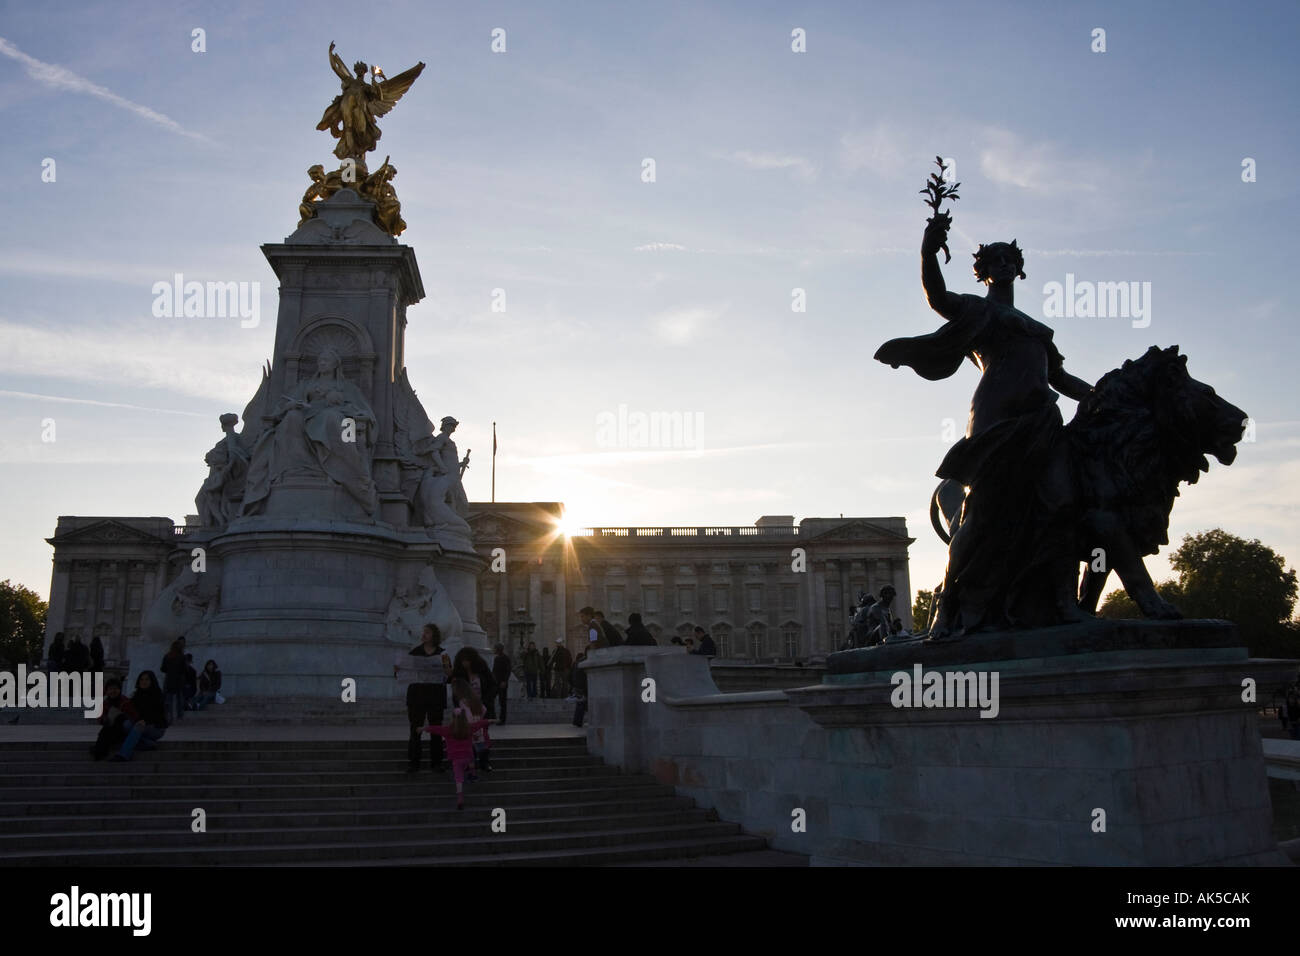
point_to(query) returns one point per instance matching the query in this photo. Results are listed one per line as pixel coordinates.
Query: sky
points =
(523, 171)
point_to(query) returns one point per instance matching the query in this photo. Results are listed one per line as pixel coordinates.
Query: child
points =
(460, 747)
(472, 705)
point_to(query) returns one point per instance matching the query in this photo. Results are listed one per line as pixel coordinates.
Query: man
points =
(580, 691)
(426, 694)
(532, 667)
(561, 663)
(706, 646)
(501, 674)
(613, 636)
(544, 686)
(595, 637)
(638, 635)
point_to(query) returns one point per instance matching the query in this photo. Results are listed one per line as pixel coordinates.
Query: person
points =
(613, 636)
(532, 665)
(57, 652)
(595, 638)
(150, 722)
(117, 715)
(173, 689)
(1012, 557)
(77, 659)
(678, 641)
(706, 646)
(544, 683)
(470, 667)
(638, 635)
(209, 685)
(96, 654)
(501, 675)
(191, 682)
(690, 645)
(561, 664)
(460, 747)
(472, 707)
(426, 695)
(579, 681)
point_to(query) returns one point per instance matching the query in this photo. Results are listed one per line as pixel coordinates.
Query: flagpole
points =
(494, 462)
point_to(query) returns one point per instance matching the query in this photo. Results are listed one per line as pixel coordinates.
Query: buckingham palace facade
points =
(771, 591)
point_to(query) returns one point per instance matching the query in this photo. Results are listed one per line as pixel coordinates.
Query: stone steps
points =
(305, 710)
(331, 803)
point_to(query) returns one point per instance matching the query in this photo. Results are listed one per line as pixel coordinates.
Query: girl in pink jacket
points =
(460, 747)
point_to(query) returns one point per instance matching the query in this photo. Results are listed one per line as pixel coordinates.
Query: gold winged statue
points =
(351, 117)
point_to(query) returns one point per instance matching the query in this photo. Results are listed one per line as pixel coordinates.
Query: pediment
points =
(854, 530)
(107, 531)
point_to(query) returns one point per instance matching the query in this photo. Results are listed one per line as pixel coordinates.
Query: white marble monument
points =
(333, 523)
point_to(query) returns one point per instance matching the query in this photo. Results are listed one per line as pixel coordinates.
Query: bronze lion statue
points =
(1145, 427)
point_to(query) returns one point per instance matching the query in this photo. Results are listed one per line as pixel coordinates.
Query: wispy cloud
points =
(680, 326)
(60, 78)
(802, 167)
(1038, 167)
(878, 150)
(156, 358)
(5, 393)
(660, 247)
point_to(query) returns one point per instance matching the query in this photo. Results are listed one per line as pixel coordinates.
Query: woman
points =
(470, 667)
(1012, 560)
(173, 689)
(209, 685)
(151, 714)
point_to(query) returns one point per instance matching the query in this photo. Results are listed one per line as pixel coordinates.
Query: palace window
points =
(755, 597)
(614, 597)
(790, 640)
(721, 599)
(833, 596)
(650, 600)
(79, 599)
(106, 598)
(722, 639)
(787, 597)
(134, 599)
(686, 599)
(757, 637)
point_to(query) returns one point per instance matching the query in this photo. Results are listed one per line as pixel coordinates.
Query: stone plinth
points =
(1142, 720)
(304, 603)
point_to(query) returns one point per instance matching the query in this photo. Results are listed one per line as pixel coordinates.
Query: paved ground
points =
(195, 729)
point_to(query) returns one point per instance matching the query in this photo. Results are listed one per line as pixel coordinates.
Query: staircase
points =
(346, 803)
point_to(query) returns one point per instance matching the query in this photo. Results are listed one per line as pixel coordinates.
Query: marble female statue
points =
(1012, 560)
(326, 427)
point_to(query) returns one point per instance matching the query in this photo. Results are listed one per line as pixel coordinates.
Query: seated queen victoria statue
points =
(323, 428)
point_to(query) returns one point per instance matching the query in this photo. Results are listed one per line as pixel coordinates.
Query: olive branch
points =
(937, 190)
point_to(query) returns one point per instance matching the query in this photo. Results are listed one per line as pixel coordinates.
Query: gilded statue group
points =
(351, 119)
(1025, 498)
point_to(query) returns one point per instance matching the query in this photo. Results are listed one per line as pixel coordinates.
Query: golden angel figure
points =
(351, 117)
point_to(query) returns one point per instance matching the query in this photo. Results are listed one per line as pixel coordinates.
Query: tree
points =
(22, 623)
(1228, 577)
(921, 610)
(1223, 576)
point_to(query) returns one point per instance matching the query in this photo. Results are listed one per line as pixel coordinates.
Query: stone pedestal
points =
(1140, 726)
